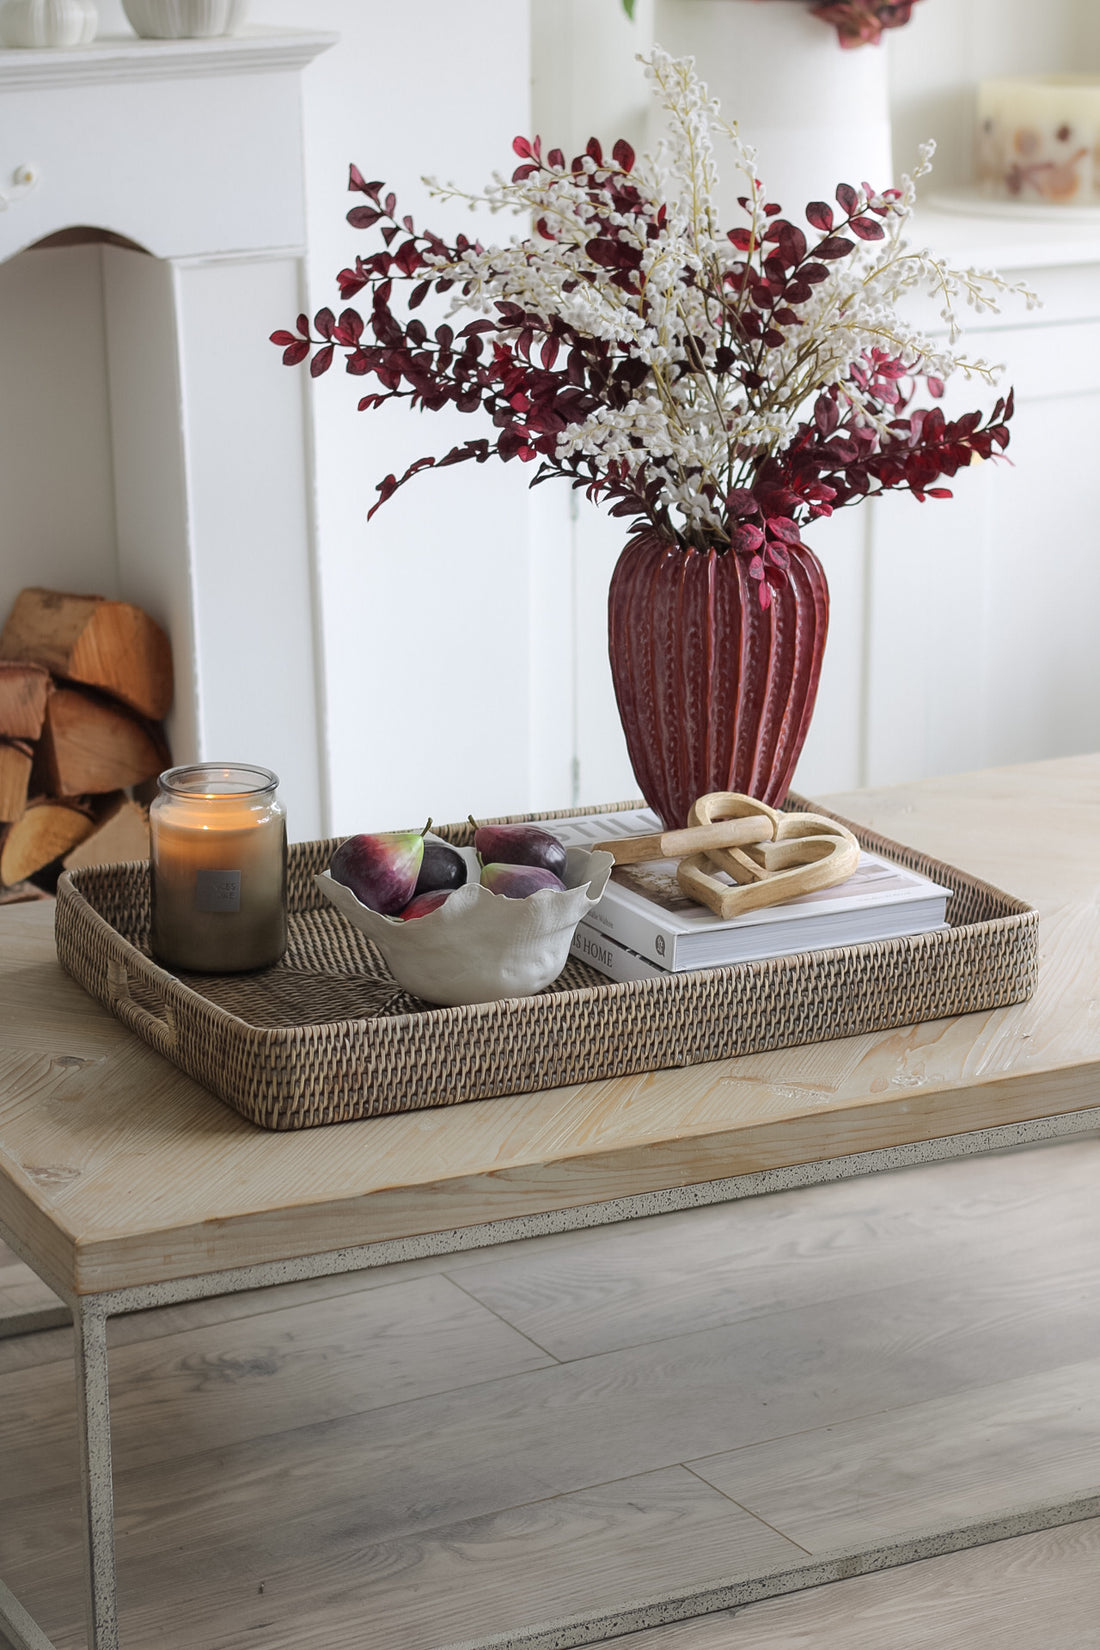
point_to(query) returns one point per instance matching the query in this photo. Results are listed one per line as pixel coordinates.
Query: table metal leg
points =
(94, 1426)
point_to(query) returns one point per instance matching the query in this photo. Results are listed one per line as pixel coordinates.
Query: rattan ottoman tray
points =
(327, 1036)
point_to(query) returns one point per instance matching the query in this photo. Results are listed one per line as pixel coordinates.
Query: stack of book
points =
(644, 927)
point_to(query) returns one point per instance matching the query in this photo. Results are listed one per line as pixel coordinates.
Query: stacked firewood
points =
(84, 685)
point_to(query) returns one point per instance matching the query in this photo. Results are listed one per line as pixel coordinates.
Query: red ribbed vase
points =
(715, 692)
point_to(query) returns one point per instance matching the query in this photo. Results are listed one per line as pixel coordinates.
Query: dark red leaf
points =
(295, 352)
(303, 325)
(322, 361)
(820, 216)
(847, 197)
(835, 247)
(283, 339)
(363, 217)
(324, 321)
(741, 502)
(592, 148)
(624, 154)
(867, 229)
(742, 239)
(521, 147)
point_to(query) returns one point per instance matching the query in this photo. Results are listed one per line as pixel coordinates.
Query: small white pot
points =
(38, 23)
(479, 946)
(184, 19)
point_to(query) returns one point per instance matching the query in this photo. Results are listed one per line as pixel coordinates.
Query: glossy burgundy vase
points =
(715, 692)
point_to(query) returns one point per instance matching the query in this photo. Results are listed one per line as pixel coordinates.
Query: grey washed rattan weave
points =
(327, 1036)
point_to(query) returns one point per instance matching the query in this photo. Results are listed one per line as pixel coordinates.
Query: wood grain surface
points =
(854, 1361)
(117, 1169)
(1038, 1592)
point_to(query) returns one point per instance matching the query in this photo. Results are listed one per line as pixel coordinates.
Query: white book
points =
(644, 910)
(611, 958)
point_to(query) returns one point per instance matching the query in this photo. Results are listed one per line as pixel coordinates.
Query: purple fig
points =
(381, 871)
(441, 867)
(423, 903)
(519, 845)
(517, 881)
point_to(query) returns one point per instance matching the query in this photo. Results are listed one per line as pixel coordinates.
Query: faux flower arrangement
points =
(724, 387)
(719, 388)
(857, 22)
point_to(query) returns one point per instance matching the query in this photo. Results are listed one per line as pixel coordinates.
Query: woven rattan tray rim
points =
(85, 937)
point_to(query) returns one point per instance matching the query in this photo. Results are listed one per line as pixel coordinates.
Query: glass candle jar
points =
(218, 869)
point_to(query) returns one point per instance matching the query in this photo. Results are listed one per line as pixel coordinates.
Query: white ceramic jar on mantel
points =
(184, 19)
(38, 23)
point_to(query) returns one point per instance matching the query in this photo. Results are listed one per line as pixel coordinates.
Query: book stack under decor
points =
(645, 927)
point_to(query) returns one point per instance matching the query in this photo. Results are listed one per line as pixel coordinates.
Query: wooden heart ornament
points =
(800, 853)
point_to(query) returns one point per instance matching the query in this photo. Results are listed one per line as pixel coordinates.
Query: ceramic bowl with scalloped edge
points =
(479, 946)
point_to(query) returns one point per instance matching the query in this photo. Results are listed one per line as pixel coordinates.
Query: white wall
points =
(58, 510)
(425, 610)
(464, 631)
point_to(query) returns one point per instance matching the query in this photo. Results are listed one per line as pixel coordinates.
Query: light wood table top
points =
(117, 1170)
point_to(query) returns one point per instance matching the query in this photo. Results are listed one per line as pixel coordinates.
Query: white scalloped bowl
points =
(479, 946)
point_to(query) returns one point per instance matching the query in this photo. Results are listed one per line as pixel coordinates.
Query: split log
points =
(47, 831)
(24, 689)
(91, 744)
(16, 761)
(121, 833)
(103, 644)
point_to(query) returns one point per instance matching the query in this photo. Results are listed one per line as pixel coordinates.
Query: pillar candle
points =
(218, 869)
(1039, 138)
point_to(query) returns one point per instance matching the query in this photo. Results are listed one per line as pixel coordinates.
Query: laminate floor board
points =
(340, 1450)
(1034, 1592)
(956, 1459)
(492, 1574)
(255, 1376)
(411, 1467)
(679, 1274)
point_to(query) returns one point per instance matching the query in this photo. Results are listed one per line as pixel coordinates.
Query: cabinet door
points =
(982, 612)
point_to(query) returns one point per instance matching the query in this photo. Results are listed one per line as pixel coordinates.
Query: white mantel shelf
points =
(127, 58)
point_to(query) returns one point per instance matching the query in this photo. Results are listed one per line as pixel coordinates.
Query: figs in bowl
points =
(479, 946)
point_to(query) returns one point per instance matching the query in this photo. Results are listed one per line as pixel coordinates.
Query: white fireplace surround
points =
(184, 160)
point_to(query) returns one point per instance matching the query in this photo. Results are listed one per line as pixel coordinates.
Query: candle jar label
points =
(217, 890)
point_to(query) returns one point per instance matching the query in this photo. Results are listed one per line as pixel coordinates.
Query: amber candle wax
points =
(218, 838)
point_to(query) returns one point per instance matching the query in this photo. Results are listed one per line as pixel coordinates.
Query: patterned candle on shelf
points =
(1039, 139)
(218, 869)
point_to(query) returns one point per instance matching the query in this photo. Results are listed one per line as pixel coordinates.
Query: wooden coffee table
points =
(126, 1186)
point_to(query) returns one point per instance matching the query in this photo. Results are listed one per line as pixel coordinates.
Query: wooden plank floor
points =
(449, 1448)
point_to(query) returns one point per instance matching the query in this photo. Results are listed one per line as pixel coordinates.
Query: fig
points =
(381, 870)
(441, 867)
(423, 903)
(518, 881)
(519, 845)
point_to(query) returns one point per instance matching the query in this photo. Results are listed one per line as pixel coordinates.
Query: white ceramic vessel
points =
(184, 19)
(39, 23)
(479, 946)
